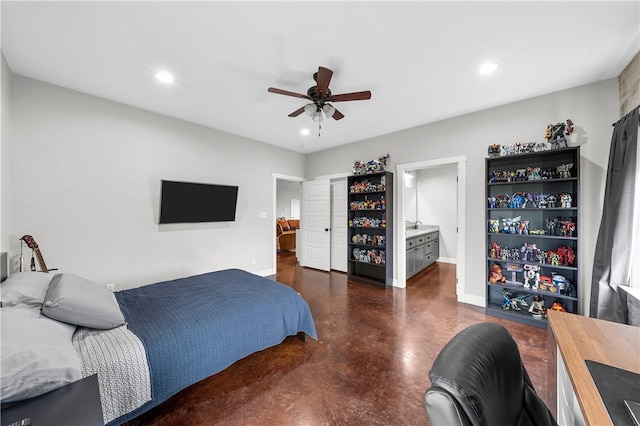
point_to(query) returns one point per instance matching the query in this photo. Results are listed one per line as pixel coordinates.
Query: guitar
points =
(31, 243)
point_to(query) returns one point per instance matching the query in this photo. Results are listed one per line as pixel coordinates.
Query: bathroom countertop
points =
(421, 230)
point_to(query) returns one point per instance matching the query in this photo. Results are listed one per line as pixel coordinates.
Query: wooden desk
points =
(579, 338)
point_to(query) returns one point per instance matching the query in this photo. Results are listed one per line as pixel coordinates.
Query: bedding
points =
(75, 300)
(37, 354)
(24, 289)
(195, 327)
(118, 357)
(176, 333)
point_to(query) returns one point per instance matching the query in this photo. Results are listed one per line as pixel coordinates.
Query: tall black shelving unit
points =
(370, 228)
(545, 236)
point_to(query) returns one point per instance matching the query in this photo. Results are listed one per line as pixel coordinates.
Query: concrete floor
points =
(369, 366)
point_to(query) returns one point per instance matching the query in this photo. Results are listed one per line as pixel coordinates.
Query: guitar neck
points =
(43, 266)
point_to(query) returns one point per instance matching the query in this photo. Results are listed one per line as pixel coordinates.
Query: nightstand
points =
(75, 404)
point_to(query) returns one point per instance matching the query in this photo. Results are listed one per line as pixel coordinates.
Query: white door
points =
(339, 225)
(316, 224)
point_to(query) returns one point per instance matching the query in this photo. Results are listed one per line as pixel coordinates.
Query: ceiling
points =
(419, 58)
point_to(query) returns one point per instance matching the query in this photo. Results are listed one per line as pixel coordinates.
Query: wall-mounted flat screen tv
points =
(188, 202)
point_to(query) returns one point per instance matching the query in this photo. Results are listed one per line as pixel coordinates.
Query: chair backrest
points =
(478, 379)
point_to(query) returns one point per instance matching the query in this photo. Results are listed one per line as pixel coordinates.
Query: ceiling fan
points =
(320, 95)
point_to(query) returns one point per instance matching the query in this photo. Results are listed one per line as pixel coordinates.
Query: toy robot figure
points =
(565, 201)
(494, 150)
(564, 170)
(555, 134)
(531, 273)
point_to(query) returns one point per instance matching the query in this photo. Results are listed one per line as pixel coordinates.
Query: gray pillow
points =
(25, 289)
(37, 354)
(74, 300)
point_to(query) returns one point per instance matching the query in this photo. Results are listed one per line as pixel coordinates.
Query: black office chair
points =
(478, 379)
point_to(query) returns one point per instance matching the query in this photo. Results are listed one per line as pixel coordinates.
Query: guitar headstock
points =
(31, 243)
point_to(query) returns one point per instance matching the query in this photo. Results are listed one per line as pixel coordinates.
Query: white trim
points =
(274, 190)
(333, 176)
(399, 256)
(473, 300)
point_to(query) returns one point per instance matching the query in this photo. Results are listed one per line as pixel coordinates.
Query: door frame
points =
(400, 272)
(274, 201)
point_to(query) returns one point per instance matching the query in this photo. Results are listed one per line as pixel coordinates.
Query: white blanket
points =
(120, 360)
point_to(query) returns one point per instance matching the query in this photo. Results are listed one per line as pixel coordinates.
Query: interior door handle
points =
(326, 229)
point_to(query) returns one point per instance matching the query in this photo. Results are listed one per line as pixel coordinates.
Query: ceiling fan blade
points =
(287, 93)
(337, 115)
(297, 112)
(355, 96)
(323, 79)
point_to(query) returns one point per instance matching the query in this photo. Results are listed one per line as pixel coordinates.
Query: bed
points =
(146, 343)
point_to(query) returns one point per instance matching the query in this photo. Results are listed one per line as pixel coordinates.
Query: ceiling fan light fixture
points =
(317, 116)
(329, 110)
(310, 109)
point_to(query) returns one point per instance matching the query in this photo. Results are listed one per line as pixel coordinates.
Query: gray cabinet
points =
(422, 251)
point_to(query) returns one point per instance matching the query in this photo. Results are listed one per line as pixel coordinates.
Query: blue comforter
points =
(195, 327)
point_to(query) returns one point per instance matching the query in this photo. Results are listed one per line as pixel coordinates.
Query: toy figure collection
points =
(559, 227)
(373, 166)
(369, 256)
(531, 173)
(555, 135)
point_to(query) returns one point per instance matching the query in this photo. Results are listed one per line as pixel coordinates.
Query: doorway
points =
(406, 193)
(287, 194)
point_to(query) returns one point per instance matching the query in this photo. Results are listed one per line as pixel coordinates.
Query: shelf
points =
(533, 209)
(377, 209)
(368, 192)
(532, 291)
(542, 236)
(368, 263)
(528, 182)
(544, 265)
(519, 316)
(372, 246)
(551, 164)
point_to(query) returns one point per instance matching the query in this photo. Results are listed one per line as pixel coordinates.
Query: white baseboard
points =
(473, 300)
(452, 260)
(265, 272)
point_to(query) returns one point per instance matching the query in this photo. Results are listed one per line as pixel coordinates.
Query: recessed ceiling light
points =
(488, 68)
(304, 132)
(164, 77)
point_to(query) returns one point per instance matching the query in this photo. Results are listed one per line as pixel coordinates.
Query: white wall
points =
(592, 108)
(286, 190)
(437, 205)
(5, 152)
(86, 183)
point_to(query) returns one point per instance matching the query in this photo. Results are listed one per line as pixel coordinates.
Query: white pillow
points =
(25, 289)
(37, 354)
(74, 300)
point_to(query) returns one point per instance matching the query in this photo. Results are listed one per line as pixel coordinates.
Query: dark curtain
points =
(612, 262)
